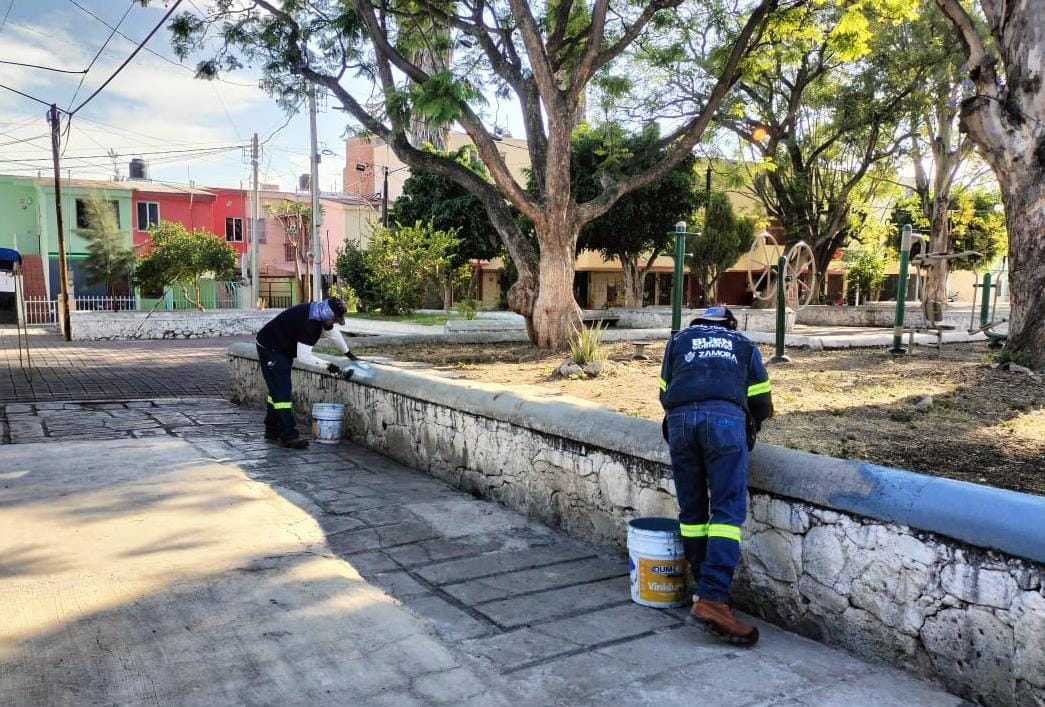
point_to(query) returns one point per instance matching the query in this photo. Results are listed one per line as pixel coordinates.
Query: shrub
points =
(586, 345)
(467, 308)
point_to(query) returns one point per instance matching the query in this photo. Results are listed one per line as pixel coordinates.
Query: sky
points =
(152, 109)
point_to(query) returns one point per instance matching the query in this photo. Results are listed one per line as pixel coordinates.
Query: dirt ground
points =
(984, 425)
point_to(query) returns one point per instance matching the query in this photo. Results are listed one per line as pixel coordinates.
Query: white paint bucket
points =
(326, 422)
(659, 571)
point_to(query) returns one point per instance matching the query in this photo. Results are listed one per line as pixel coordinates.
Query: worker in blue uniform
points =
(290, 335)
(715, 392)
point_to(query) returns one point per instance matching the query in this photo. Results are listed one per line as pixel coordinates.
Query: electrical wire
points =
(157, 54)
(3, 22)
(98, 54)
(43, 68)
(26, 95)
(174, 6)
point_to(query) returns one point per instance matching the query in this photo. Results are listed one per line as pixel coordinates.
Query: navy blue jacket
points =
(289, 328)
(714, 363)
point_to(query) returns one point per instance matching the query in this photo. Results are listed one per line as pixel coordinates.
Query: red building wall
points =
(230, 203)
(192, 210)
(33, 276)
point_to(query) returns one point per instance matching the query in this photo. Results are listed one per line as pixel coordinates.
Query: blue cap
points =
(715, 314)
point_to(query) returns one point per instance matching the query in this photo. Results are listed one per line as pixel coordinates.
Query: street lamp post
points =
(676, 289)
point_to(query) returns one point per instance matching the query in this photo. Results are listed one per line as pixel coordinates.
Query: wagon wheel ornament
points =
(800, 276)
(761, 272)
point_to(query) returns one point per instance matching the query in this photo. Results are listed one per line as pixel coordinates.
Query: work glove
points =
(339, 372)
(751, 427)
(351, 356)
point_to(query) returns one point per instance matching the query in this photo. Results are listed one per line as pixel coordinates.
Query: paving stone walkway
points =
(201, 565)
(112, 370)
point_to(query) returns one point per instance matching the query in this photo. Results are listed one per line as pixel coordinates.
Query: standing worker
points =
(291, 334)
(715, 393)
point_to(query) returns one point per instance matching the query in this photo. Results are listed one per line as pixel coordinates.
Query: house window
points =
(261, 229)
(288, 252)
(148, 214)
(234, 229)
(81, 212)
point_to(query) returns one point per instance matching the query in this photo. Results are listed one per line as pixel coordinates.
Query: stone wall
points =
(182, 324)
(748, 319)
(937, 576)
(875, 314)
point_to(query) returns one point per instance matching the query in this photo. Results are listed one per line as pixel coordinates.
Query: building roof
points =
(141, 185)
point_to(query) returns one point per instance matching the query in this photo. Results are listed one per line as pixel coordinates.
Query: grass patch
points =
(435, 319)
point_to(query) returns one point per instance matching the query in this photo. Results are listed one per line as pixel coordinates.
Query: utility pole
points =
(384, 198)
(63, 272)
(313, 183)
(255, 270)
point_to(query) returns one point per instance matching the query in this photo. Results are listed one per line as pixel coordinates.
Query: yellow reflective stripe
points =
(283, 406)
(663, 384)
(758, 389)
(721, 530)
(693, 531)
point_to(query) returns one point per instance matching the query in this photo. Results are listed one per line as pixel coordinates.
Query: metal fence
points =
(42, 311)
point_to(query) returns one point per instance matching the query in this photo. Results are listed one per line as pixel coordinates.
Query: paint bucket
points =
(659, 571)
(326, 422)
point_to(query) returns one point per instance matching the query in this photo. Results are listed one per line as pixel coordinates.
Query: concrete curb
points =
(997, 519)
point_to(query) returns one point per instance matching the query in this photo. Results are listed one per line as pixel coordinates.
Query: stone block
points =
(863, 634)
(494, 563)
(517, 648)
(607, 625)
(824, 600)
(615, 485)
(773, 553)
(506, 584)
(977, 585)
(451, 687)
(891, 594)
(912, 549)
(448, 621)
(543, 606)
(974, 642)
(1029, 660)
(822, 554)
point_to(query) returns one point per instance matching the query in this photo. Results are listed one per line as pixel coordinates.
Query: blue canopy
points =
(9, 257)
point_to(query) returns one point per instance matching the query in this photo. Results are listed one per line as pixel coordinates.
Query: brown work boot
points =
(294, 443)
(720, 622)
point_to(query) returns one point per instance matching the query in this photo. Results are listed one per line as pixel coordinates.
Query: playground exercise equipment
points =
(778, 354)
(11, 263)
(799, 271)
(989, 306)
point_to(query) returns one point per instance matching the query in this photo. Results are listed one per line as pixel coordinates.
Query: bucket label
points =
(662, 581)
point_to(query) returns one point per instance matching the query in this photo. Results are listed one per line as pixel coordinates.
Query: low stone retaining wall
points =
(875, 314)
(748, 319)
(941, 577)
(182, 324)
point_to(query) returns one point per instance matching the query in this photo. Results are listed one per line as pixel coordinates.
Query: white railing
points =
(43, 311)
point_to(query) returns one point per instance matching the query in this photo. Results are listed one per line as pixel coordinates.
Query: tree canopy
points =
(110, 257)
(180, 257)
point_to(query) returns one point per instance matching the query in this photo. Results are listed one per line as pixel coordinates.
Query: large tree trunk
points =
(1006, 120)
(1024, 197)
(634, 282)
(934, 297)
(555, 312)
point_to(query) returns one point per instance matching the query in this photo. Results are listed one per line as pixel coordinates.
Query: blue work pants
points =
(279, 409)
(708, 446)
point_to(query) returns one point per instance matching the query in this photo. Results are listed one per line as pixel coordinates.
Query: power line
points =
(4, 21)
(157, 54)
(126, 61)
(98, 54)
(26, 95)
(43, 68)
(201, 150)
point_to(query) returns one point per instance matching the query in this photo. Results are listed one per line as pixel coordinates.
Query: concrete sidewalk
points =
(184, 561)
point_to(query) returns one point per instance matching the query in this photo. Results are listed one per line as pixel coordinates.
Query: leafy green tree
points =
(865, 268)
(110, 258)
(1003, 112)
(819, 108)
(296, 219)
(544, 55)
(722, 239)
(432, 198)
(975, 223)
(180, 257)
(397, 264)
(638, 227)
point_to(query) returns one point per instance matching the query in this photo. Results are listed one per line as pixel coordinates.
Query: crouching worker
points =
(292, 334)
(715, 393)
